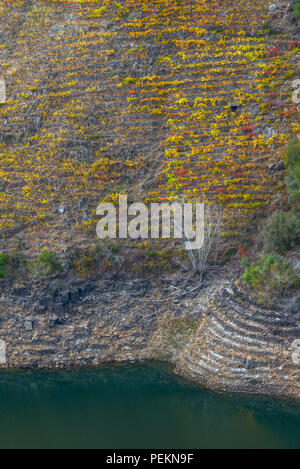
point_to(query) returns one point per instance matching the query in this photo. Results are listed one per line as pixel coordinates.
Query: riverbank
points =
(216, 336)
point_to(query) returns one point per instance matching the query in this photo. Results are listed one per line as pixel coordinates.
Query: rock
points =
(81, 203)
(88, 289)
(28, 325)
(37, 122)
(250, 365)
(58, 308)
(74, 295)
(255, 111)
(58, 28)
(64, 297)
(292, 305)
(296, 265)
(277, 166)
(21, 290)
(46, 302)
(229, 291)
(297, 316)
(269, 132)
(234, 106)
(54, 288)
(110, 26)
(54, 321)
(273, 7)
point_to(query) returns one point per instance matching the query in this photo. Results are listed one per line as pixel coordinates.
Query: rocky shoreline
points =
(116, 83)
(216, 336)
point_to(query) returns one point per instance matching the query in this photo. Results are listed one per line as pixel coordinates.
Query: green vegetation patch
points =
(296, 9)
(4, 263)
(46, 265)
(293, 167)
(281, 232)
(270, 277)
(10, 264)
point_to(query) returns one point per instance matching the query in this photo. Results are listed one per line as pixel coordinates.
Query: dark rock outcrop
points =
(217, 337)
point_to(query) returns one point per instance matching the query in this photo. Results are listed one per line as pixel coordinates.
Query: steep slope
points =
(165, 100)
(106, 97)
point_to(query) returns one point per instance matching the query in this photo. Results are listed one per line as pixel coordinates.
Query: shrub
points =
(98, 256)
(296, 9)
(47, 264)
(10, 264)
(293, 166)
(4, 262)
(281, 232)
(270, 277)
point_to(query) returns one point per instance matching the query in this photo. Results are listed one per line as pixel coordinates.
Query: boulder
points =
(28, 325)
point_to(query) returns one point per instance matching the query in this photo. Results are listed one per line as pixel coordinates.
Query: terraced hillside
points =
(136, 97)
(240, 347)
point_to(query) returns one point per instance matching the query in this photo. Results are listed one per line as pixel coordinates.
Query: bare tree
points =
(212, 234)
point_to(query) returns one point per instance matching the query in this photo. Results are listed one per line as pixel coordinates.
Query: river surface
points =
(137, 406)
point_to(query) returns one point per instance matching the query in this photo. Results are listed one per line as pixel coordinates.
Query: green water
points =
(138, 406)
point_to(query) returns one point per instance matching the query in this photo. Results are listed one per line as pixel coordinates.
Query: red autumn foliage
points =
(272, 52)
(249, 130)
(180, 172)
(242, 251)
